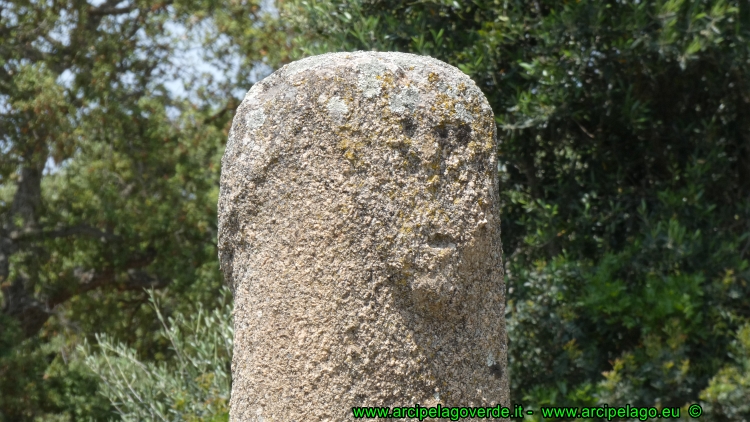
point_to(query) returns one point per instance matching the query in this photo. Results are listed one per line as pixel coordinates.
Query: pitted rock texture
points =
(359, 229)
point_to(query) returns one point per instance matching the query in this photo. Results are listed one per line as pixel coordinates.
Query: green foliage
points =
(109, 179)
(625, 178)
(624, 168)
(727, 393)
(193, 386)
(47, 381)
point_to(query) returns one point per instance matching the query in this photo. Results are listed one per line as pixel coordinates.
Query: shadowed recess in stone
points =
(359, 229)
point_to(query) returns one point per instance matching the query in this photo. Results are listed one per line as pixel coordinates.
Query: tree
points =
(625, 178)
(108, 181)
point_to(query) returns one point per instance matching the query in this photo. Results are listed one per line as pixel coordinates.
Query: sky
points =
(192, 59)
(188, 59)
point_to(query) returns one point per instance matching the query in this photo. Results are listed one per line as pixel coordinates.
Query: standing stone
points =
(359, 229)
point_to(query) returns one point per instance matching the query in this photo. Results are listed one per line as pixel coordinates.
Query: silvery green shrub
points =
(194, 385)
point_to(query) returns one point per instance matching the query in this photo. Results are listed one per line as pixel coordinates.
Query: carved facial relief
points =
(436, 192)
(443, 224)
(421, 183)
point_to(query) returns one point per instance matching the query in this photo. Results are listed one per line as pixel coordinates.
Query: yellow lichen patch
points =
(474, 108)
(345, 144)
(406, 229)
(388, 81)
(433, 77)
(474, 147)
(433, 181)
(351, 149)
(447, 106)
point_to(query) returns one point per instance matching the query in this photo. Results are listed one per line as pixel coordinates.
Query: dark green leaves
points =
(624, 152)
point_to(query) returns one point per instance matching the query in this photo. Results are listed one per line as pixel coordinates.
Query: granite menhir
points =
(359, 230)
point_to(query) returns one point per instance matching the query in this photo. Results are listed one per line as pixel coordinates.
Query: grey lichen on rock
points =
(359, 229)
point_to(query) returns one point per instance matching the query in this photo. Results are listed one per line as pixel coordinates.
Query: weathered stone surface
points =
(359, 228)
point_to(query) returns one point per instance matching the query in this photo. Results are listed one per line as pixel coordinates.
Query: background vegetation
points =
(625, 168)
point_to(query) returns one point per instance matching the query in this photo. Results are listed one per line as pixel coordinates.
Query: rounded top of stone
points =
(332, 60)
(373, 70)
